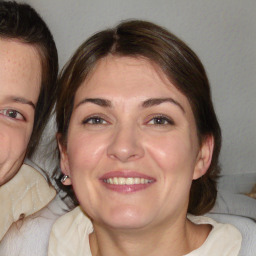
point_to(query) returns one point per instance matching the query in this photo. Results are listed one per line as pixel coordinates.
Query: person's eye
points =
(94, 120)
(161, 120)
(11, 113)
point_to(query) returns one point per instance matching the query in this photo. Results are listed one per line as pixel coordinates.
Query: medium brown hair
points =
(181, 66)
(21, 22)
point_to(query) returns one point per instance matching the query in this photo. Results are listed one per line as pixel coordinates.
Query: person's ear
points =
(204, 157)
(64, 163)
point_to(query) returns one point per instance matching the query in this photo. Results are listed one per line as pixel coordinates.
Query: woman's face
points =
(132, 148)
(20, 80)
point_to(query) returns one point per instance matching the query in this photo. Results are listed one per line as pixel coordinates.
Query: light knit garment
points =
(70, 237)
(25, 222)
(26, 193)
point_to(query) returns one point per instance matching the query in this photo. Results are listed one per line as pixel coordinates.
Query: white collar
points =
(70, 236)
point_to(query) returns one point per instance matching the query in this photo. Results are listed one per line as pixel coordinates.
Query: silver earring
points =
(64, 178)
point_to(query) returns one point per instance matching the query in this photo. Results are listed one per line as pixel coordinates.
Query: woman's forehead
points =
(129, 79)
(125, 69)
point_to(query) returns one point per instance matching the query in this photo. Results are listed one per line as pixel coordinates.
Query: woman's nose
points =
(125, 145)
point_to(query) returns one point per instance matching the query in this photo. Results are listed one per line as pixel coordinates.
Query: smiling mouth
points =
(127, 181)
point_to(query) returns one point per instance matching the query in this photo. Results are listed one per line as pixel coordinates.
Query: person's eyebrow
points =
(22, 101)
(157, 101)
(97, 101)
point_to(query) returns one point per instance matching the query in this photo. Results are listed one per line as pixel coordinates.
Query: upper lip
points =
(125, 174)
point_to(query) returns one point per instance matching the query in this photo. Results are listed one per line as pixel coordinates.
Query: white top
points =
(25, 194)
(25, 222)
(70, 237)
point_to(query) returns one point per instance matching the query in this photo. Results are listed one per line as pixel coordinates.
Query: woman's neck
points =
(179, 238)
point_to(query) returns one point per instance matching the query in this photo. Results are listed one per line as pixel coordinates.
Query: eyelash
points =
(167, 120)
(97, 120)
(94, 118)
(8, 112)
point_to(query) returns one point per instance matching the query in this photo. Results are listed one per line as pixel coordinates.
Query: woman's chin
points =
(125, 219)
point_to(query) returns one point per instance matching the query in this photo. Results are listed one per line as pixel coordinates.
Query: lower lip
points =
(127, 188)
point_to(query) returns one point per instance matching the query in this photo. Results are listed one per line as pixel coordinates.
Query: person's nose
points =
(126, 144)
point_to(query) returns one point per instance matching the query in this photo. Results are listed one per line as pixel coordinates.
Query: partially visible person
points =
(28, 89)
(139, 143)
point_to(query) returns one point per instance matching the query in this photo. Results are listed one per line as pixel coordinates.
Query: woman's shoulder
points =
(25, 194)
(224, 239)
(30, 236)
(68, 232)
(74, 218)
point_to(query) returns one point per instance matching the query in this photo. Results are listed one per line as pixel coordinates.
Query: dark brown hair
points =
(21, 22)
(179, 63)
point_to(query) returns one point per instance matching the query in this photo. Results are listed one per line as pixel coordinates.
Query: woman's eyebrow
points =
(21, 100)
(157, 101)
(147, 103)
(97, 101)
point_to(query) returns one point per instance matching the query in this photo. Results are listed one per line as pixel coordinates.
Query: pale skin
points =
(130, 121)
(20, 81)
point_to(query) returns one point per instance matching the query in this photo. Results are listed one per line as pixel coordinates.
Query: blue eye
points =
(161, 120)
(95, 120)
(11, 113)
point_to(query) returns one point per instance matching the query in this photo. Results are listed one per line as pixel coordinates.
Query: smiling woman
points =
(20, 72)
(28, 72)
(139, 143)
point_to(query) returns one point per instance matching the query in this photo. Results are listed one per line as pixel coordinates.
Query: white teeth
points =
(127, 181)
(121, 181)
(137, 181)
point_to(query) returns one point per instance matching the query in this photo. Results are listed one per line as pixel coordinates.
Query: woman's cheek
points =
(5, 145)
(85, 150)
(12, 152)
(170, 152)
(13, 144)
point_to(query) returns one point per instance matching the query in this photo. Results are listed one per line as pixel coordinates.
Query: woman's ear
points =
(204, 157)
(64, 163)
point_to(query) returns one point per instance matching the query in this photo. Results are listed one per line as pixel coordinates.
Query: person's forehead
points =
(128, 73)
(20, 70)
